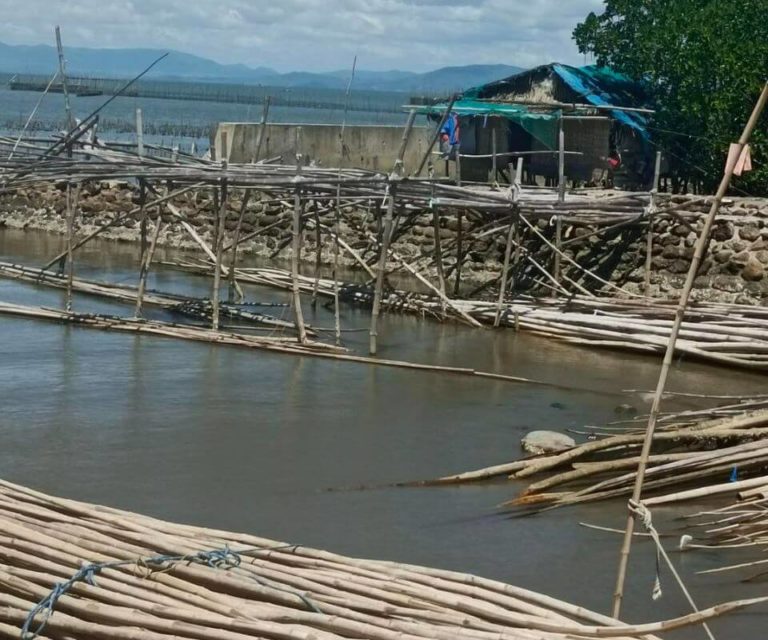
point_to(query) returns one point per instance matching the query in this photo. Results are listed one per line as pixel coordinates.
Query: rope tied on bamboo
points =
(644, 514)
(223, 558)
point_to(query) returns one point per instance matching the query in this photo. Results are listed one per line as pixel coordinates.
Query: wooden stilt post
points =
(494, 167)
(513, 226)
(649, 234)
(139, 133)
(296, 294)
(220, 227)
(561, 163)
(233, 286)
(384, 250)
(63, 75)
(439, 254)
(262, 129)
(701, 245)
(318, 253)
(458, 164)
(558, 250)
(146, 265)
(337, 211)
(70, 233)
(459, 252)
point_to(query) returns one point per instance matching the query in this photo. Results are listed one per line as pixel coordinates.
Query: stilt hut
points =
(603, 115)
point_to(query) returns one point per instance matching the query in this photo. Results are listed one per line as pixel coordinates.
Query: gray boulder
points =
(537, 442)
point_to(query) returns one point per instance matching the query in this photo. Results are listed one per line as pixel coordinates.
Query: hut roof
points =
(536, 98)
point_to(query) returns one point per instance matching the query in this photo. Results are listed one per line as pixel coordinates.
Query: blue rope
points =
(217, 559)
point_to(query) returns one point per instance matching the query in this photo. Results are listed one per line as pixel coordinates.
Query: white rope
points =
(641, 512)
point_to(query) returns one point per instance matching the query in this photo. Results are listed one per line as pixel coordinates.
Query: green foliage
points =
(705, 62)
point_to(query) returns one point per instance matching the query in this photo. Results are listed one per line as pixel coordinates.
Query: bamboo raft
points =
(71, 569)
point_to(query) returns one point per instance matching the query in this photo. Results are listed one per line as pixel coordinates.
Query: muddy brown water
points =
(276, 444)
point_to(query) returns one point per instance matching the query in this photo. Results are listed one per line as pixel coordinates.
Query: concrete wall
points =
(366, 147)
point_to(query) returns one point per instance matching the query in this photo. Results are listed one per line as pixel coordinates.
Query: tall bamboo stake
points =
(494, 159)
(142, 218)
(561, 163)
(439, 255)
(63, 74)
(701, 245)
(649, 236)
(337, 212)
(262, 128)
(70, 225)
(558, 249)
(318, 252)
(139, 133)
(459, 252)
(146, 265)
(233, 286)
(513, 226)
(384, 250)
(221, 214)
(296, 292)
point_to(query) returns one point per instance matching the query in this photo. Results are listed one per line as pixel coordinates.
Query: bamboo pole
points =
(139, 133)
(297, 214)
(561, 162)
(63, 76)
(220, 222)
(558, 249)
(262, 129)
(380, 271)
(649, 236)
(438, 255)
(513, 229)
(146, 265)
(234, 287)
(459, 253)
(701, 245)
(72, 204)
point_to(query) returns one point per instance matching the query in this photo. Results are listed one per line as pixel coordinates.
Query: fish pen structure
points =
(357, 217)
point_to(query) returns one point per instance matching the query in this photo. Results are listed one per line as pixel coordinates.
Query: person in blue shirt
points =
(449, 137)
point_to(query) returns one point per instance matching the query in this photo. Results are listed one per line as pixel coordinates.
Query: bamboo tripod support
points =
(701, 245)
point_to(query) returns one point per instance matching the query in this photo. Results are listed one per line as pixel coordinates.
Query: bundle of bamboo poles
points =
(742, 524)
(725, 334)
(713, 455)
(71, 569)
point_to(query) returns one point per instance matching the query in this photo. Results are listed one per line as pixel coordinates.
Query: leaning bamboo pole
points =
(701, 245)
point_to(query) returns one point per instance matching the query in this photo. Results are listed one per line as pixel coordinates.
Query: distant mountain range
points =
(117, 63)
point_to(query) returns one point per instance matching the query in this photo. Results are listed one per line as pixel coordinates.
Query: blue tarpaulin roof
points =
(598, 86)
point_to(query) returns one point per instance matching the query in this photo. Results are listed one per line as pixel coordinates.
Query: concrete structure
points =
(365, 147)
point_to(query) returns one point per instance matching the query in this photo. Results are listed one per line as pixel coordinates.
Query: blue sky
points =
(314, 35)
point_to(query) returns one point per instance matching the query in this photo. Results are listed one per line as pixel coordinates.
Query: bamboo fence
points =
(71, 569)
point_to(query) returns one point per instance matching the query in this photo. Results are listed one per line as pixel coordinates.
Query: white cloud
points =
(314, 35)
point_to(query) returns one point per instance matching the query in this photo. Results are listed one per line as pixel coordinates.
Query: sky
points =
(314, 35)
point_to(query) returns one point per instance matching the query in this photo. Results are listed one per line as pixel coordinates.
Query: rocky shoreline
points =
(734, 270)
